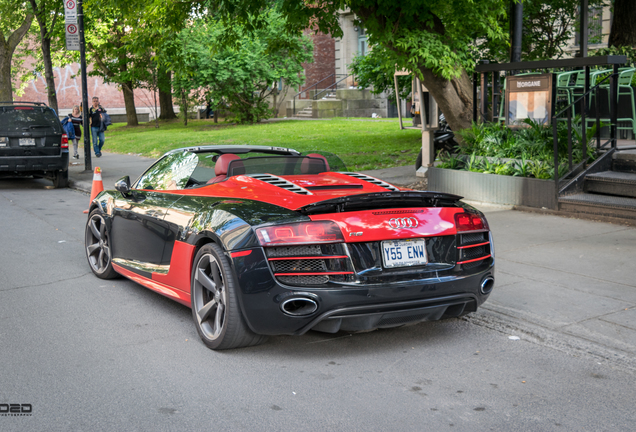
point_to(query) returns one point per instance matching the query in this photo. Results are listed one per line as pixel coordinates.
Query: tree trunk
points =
(184, 107)
(454, 97)
(42, 14)
(164, 83)
(623, 31)
(48, 69)
(7, 48)
(129, 102)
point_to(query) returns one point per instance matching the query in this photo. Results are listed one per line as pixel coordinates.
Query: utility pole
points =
(87, 127)
(583, 29)
(516, 30)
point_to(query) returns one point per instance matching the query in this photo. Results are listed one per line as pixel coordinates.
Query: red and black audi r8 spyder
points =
(267, 241)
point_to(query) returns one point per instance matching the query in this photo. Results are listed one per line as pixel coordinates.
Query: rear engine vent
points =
(474, 249)
(301, 265)
(282, 251)
(281, 183)
(474, 238)
(309, 264)
(303, 280)
(373, 180)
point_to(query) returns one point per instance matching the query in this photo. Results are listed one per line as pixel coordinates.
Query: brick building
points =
(69, 92)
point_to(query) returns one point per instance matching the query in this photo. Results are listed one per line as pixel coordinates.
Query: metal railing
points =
(578, 171)
(329, 89)
(308, 89)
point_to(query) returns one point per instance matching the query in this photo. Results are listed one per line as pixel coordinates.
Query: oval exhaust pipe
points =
(487, 285)
(299, 306)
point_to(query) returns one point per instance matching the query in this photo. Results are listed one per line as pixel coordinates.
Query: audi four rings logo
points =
(397, 223)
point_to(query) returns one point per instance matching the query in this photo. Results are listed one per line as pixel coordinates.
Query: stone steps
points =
(607, 194)
(599, 205)
(616, 183)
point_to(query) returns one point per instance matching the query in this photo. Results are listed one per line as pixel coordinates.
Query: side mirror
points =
(123, 185)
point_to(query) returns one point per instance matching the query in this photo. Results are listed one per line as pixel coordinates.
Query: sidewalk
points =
(567, 283)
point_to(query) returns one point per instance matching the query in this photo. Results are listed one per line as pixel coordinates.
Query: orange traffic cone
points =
(98, 185)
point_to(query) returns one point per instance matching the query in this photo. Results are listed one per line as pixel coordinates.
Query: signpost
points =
(74, 22)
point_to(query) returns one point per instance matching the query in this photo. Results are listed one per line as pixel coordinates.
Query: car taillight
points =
(470, 222)
(64, 141)
(300, 233)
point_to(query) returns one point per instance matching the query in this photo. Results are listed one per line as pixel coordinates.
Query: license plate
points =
(404, 253)
(27, 141)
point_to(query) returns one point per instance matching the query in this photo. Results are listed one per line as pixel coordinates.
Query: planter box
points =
(494, 189)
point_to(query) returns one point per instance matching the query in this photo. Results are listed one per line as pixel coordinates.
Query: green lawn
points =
(362, 144)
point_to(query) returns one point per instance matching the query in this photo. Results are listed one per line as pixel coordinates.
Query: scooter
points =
(443, 140)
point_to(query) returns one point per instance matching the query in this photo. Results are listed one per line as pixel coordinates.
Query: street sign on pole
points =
(70, 21)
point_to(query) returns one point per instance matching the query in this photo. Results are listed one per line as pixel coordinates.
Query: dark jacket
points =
(105, 122)
(68, 127)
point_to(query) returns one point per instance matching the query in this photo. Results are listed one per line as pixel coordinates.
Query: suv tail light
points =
(300, 233)
(470, 222)
(64, 141)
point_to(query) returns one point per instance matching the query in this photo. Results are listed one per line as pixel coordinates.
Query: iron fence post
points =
(614, 105)
(556, 159)
(569, 138)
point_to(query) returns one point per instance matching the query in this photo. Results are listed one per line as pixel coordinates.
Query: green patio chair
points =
(579, 86)
(625, 88)
(564, 88)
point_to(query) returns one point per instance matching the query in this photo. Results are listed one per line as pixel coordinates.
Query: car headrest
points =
(314, 166)
(223, 162)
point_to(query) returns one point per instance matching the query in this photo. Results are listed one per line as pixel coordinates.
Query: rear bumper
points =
(29, 165)
(354, 308)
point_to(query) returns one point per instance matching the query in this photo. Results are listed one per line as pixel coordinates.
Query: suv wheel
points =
(60, 179)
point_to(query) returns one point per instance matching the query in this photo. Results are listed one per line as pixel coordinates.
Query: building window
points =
(594, 27)
(363, 45)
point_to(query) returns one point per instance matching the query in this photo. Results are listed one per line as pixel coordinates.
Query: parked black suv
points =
(32, 142)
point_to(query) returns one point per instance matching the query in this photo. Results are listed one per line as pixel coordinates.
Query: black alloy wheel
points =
(98, 247)
(215, 307)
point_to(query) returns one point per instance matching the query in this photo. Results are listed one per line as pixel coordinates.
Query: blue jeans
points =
(96, 133)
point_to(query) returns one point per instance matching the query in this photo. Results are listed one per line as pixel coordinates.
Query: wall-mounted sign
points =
(529, 97)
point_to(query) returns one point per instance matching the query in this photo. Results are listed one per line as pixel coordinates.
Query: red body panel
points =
(372, 225)
(165, 290)
(244, 187)
(175, 284)
(180, 267)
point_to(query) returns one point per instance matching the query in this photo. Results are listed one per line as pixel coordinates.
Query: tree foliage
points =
(372, 72)
(49, 15)
(548, 26)
(14, 25)
(238, 77)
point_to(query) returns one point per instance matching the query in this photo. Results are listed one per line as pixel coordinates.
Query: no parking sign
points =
(70, 19)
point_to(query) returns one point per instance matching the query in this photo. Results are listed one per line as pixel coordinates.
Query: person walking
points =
(97, 131)
(76, 118)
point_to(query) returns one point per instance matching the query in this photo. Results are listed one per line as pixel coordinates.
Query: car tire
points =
(60, 179)
(215, 308)
(98, 247)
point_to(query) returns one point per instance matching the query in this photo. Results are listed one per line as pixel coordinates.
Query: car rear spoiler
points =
(382, 200)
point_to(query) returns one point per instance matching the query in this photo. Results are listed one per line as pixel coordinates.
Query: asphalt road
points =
(95, 355)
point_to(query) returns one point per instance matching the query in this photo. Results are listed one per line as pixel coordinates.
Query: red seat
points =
(221, 167)
(313, 166)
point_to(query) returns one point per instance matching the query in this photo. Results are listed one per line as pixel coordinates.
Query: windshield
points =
(187, 169)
